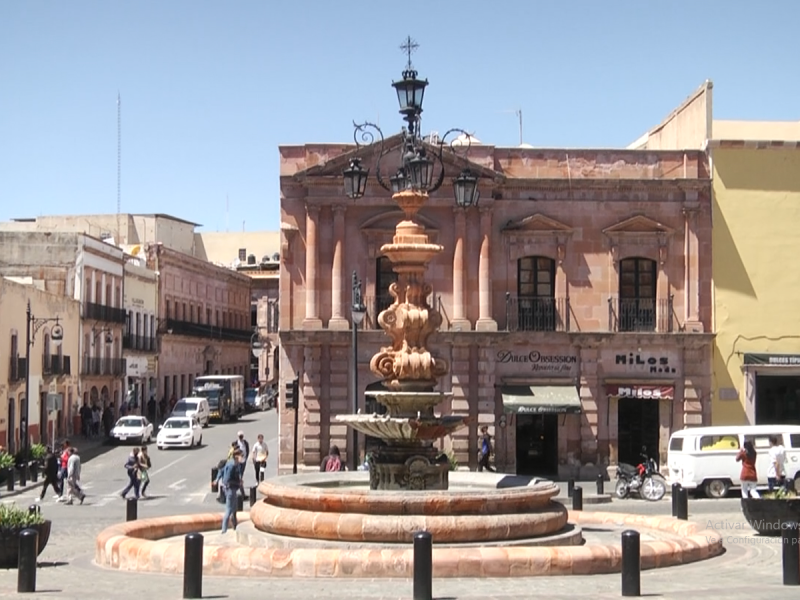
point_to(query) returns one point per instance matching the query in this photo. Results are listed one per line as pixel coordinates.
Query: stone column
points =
(312, 320)
(485, 320)
(460, 322)
(338, 319)
(691, 268)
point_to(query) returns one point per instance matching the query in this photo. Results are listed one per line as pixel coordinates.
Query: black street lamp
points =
(357, 313)
(419, 158)
(32, 325)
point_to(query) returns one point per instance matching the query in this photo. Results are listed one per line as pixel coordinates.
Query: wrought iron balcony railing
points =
(101, 312)
(537, 313)
(94, 365)
(16, 370)
(640, 314)
(173, 326)
(55, 364)
(145, 343)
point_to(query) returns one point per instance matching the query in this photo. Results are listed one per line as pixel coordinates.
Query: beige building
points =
(52, 367)
(89, 270)
(139, 344)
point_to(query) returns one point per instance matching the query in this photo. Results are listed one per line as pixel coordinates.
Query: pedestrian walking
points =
(51, 466)
(776, 474)
(748, 476)
(62, 470)
(232, 480)
(132, 466)
(74, 476)
(485, 450)
(260, 455)
(244, 446)
(144, 469)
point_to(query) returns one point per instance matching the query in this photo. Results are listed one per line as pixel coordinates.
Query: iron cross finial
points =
(409, 46)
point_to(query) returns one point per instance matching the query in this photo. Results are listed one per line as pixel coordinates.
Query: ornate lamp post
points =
(406, 367)
(33, 325)
(357, 312)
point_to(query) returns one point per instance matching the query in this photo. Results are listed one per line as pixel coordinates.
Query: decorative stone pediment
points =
(536, 235)
(639, 235)
(380, 229)
(638, 225)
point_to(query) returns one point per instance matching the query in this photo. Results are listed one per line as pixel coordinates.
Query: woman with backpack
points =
(332, 462)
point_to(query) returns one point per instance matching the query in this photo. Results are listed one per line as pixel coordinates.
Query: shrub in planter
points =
(38, 452)
(12, 521)
(768, 513)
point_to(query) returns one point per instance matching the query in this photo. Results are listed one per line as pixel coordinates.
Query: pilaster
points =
(338, 320)
(310, 410)
(485, 320)
(312, 320)
(460, 404)
(459, 322)
(691, 284)
(339, 399)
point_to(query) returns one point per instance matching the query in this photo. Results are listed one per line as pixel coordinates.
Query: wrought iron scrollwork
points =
(368, 132)
(439, 155)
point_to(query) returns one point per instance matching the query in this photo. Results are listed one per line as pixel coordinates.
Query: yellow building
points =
(756, 247)
(53, 369)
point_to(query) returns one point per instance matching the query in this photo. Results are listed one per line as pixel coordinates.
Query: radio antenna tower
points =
(119, 164)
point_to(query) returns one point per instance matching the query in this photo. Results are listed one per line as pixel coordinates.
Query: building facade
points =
(139, 343)
(51, 366)
(575, 300)
(756, 208)
(204, 320)
(89, 270)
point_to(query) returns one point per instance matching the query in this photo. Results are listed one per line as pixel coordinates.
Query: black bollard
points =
(631, 564)
(682, 509)
(193, 566)
(10, 479)
(600, 484)
(253, 490)
(34, 509)
(34, 472)
(676, 492)
(23, 475)
(570, 487)
(239, 502)
(214, 484)
(791, 553)
(423, 566)
(26, 567)
(577, 498)
(131, 509)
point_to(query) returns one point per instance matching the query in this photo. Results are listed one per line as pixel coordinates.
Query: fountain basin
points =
(404, 428)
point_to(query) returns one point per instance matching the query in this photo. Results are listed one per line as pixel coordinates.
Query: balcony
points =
(56, 365)
(640, 315)
(101, 312)
(537, 313)
(16, 370)
(94, 365)
(145, 343)
(225, 334)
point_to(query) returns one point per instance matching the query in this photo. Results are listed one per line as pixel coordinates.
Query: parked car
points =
(193, 407)
(133, 429)
(266, 400)
(250, 395)
(179, 432)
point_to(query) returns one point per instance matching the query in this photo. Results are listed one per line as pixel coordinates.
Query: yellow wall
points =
(756, 253)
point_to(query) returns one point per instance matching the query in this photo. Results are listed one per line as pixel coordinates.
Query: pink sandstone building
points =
(575, 301)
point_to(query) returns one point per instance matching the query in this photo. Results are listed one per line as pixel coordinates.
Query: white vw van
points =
(704, 458)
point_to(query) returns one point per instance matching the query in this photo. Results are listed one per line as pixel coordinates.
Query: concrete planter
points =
(767, 515)
(9, 543)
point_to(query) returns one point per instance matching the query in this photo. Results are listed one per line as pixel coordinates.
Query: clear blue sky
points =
(210, 89)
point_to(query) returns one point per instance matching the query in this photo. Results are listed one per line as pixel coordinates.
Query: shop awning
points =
(558, 399)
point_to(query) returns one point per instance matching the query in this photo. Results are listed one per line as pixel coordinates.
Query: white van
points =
(704, 458)
(193, 407)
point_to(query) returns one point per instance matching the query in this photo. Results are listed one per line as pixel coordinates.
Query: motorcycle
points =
(643, 479)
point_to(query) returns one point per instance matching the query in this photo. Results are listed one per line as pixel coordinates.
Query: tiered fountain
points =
(408, 460)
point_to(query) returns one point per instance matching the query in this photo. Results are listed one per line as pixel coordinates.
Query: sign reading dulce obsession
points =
(537, 362)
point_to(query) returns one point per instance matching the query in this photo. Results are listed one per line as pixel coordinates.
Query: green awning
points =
(558, 399)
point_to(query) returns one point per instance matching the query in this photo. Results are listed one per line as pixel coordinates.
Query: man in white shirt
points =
(776, 474)
(260, 455)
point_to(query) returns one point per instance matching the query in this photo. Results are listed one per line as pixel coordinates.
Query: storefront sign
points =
(538, 362)
(781, 360)
(645, 392)
(136, 366)
(648, 363)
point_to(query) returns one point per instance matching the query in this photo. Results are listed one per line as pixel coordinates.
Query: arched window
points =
(536, 309)
(384, 277)
(637, 294)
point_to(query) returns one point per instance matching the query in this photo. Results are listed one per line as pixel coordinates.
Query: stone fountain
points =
(408, 370)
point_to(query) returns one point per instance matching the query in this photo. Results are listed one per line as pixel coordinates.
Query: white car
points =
(179, 432)
(133, 429)
(266, 400)
(193, 407)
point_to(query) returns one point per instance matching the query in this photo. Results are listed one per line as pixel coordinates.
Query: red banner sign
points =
(645, 392)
